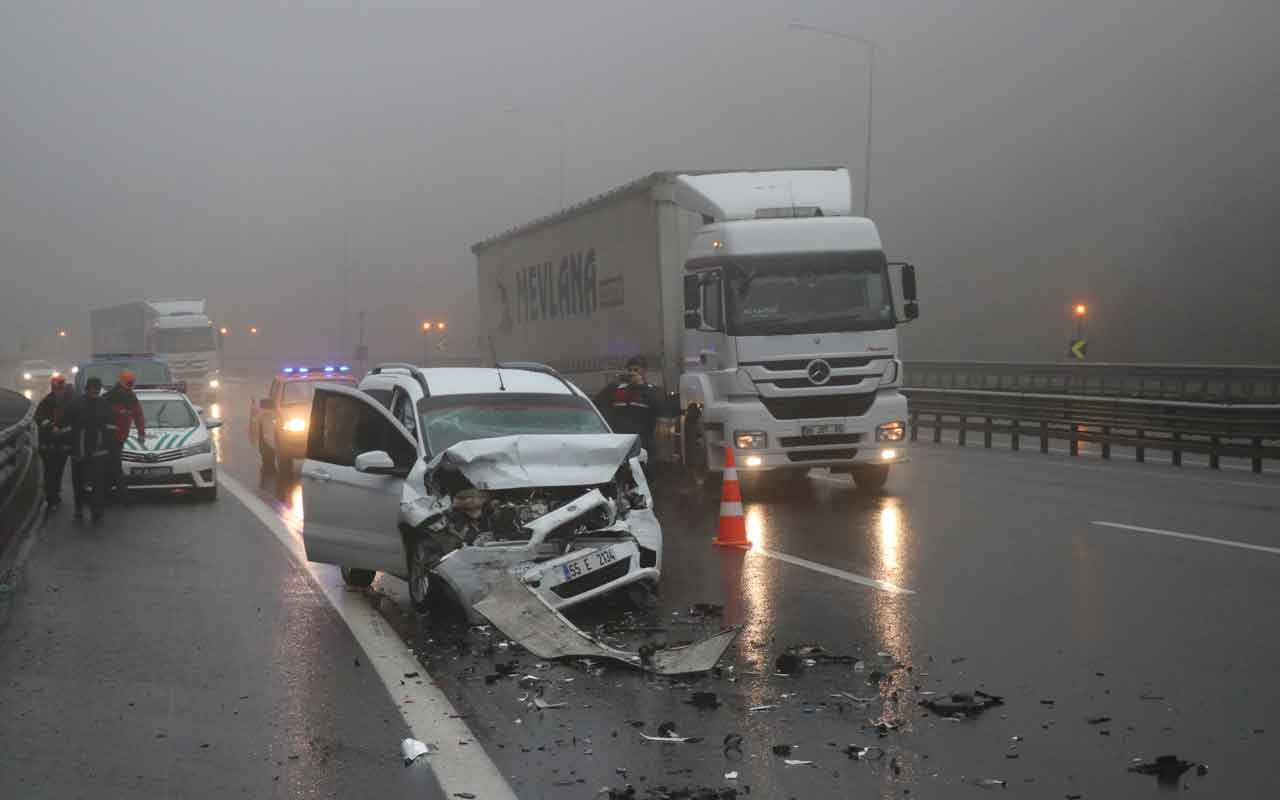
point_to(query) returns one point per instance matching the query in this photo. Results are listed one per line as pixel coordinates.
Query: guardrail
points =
(1247, 430)
(21, 478)
(1214, 383)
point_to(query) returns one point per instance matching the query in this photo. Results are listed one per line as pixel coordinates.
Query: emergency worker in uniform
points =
(89, 418)
(125, 411)
(631, 403)
(54, 437)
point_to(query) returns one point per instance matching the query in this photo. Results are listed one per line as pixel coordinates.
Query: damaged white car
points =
(468, 475)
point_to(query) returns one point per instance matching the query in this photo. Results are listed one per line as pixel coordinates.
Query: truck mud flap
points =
(527, 619)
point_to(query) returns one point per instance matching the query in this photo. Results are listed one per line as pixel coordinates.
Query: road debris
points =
(1097, 720)
(863, 753)
(412, 750)
(703, 700)
(783, 749)
(526, 618)
(1167, 769)
(969, 704)
(792, 762)
(543, 705)
(989, 783)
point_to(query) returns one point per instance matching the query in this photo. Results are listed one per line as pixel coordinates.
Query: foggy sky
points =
(1027, 155)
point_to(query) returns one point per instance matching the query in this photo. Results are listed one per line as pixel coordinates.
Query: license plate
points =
(153, 470)
(822, 430)
(589, 563)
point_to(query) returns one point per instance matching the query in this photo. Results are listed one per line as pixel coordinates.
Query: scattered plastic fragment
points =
(782, 749)
(756, 709)
(671, 739)
(733, 741)
(862, 753)
(791, 762)
(1167, 769)
(787, 664)
(1097, 720)
(967, 703)
(990, 783)
(731, 776)
(703, 700)
(412, 750)
(543, 705)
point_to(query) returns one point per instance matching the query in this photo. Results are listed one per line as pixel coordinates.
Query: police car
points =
(178, 453)
(278, 422)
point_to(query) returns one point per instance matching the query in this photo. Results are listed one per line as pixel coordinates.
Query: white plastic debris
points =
(670, 739)
(412, 750)
(731, 776)
(543, 705)
(755, 709)
(795, 762)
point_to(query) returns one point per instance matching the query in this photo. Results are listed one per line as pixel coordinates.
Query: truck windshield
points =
(144, 373)
(184, 340)
(450, 419)
(808, 293)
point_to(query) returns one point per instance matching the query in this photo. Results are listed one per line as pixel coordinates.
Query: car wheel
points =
(359, 578)
(268, 457)
(870, 479)
(207, 494)
(419, 555)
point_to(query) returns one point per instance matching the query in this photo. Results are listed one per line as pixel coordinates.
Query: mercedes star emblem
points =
(819, 371)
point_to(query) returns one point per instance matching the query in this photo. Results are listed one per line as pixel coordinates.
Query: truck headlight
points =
(890, 374)
(296, 425)
(214, 383)
(750, 440)
(75, 369)
(26, 376)
(891, 432)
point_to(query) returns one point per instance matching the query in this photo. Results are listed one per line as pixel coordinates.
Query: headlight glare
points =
(750, 440)
(296, 425)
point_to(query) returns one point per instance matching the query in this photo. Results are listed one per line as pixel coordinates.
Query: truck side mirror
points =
(692, 292)
(692, 320)
(912, 309)
(909, 285)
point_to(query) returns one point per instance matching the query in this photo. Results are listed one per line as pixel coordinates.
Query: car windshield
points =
(184, 340)
(169, 412)
(144, 372)
(302, 391)
(459, 418)
(808, 293)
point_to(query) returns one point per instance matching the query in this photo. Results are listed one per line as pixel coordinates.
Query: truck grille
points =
(826, 438)
(822, 455)
(839, 380)
(831, 405)
(796, 364)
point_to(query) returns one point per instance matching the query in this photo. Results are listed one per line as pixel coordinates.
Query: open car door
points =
(358, 456)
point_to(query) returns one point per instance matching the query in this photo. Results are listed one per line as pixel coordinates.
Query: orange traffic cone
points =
(733, 527)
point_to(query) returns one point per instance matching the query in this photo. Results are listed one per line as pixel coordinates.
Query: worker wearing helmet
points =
(54, 437)
(125, 411)
(89, 416)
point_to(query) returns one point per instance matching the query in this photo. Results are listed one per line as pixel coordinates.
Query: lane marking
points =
(431, 717)
(832, 571)
(1261, 548)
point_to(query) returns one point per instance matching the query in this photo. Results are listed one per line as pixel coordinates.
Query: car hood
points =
(161, 439)
(515, 462)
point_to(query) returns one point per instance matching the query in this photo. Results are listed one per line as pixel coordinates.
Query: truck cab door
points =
(704, 339)
(351, 502)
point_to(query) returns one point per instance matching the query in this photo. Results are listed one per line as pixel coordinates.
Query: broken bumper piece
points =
(528, 619)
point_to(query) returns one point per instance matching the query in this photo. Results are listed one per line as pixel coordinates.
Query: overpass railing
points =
(1240, 430)
(20, 479)
(1213, 383)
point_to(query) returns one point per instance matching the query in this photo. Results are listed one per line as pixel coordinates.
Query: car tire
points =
(418, 565)
(870, 479)
(268, 456)
(207, 494)
(358, 578)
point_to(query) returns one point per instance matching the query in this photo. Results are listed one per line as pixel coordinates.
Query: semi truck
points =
(767, 313)
(176, 330)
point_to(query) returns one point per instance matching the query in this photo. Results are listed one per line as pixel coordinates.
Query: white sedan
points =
(177, 454)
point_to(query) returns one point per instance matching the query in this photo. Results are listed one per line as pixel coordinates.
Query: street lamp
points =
(253, 329)
(1081, 311)
(871, 72)
(560, 128)
(62, 333)
(223, 330)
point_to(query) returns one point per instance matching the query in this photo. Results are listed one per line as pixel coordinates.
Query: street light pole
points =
(871, 78)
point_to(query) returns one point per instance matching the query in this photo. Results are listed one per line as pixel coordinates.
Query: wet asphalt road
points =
(1015, 591)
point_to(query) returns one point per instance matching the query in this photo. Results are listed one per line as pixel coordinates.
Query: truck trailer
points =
(767, 312)
(177, 330)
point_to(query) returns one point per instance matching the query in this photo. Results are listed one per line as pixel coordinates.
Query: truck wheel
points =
(870, 479)
(268, 457)
(359, 578)
(418, 554)
(696, 469)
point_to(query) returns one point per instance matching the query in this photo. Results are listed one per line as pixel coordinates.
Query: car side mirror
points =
(213, 423)
(692, 320)
(267, 404)
(377, 462)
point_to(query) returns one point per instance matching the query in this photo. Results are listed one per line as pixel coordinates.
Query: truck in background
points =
(767, 312)
(176, 330)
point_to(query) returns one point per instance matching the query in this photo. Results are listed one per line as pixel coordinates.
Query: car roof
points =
(484, 380)
(159, 394)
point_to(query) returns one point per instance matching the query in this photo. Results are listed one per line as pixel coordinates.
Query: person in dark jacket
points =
(90, 419)
(54, 437)
(125, 411)
(631, 403)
